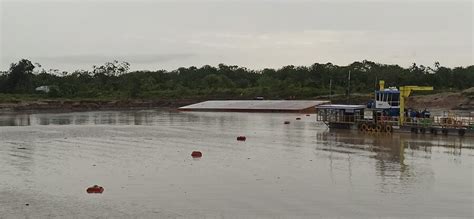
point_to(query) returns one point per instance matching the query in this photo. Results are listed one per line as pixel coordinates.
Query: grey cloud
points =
(138, 58)
(255, 33)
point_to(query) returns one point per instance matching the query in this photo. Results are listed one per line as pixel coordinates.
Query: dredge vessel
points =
(386, 113)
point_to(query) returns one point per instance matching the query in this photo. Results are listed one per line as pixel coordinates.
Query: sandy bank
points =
(449, 101)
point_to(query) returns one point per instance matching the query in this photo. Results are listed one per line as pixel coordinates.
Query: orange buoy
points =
(196, 154)
(287, 122)
(95, 189)
(298, 118)
(241, 138)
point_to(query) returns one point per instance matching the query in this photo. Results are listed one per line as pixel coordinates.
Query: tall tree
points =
(19, 77)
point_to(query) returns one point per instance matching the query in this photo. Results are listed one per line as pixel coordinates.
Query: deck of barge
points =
(284, 106)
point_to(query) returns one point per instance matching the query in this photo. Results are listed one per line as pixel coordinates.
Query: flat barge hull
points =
(430, 130)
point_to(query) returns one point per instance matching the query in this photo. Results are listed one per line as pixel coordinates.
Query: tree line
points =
(113, 80)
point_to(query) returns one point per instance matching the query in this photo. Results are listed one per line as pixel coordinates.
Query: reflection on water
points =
(143, 160)
(82, 118)
(390, 152)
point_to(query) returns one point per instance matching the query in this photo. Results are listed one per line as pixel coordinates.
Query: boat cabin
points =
(340, 116)
(387, 98)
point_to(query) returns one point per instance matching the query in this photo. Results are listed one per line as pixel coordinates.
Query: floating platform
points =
(353, 117)
(281, 106)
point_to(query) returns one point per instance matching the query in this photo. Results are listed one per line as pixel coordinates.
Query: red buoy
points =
(298, 118)
(95, 189)
(287, 122)
(241, 138)
(196, 154)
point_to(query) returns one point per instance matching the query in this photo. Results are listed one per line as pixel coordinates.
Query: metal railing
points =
(449, 121)
(336, 118)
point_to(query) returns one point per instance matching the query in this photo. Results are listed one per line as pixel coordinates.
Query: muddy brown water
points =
(143, 161)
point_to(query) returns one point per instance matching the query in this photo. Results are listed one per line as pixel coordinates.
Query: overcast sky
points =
(151, 35)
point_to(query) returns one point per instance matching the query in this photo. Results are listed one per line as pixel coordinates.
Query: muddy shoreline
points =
(90, 105)
(442, 101)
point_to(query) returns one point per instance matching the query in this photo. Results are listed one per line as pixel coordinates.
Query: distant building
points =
(43, 89)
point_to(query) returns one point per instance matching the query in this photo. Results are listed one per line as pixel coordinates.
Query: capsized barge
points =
(387, 114)
(272, 106)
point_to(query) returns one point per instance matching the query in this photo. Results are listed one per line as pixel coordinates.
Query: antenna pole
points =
(330, 90)
(349, 85)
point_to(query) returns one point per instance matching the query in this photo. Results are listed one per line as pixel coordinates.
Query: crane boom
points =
(405, 92)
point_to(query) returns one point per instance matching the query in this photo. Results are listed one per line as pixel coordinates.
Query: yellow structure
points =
(405, 92)
(382, 85)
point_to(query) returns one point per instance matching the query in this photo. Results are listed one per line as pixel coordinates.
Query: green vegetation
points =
(114, 81)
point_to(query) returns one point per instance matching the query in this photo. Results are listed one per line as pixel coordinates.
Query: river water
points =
(301, 169)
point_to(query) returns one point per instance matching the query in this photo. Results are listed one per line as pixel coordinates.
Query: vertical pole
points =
(349, 86)
(402, 106)
(330, 90)
(375, 82)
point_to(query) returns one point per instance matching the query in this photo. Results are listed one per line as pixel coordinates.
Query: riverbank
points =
(89, 105)
(441, 101)
(447, 100)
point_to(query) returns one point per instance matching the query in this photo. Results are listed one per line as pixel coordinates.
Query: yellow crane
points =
(405, 92)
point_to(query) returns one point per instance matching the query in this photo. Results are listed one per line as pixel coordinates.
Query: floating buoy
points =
(95, 189)
(287, 122)
(298, 118)
(196, 154)
(307, 114)
(241, 138)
